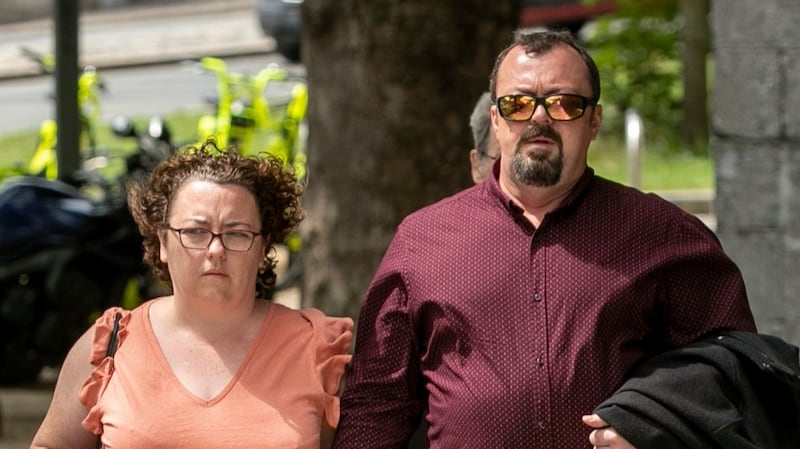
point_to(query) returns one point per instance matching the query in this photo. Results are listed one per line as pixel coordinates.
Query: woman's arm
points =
(61, 427)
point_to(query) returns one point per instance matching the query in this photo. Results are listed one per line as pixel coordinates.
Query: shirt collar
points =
(574, 195)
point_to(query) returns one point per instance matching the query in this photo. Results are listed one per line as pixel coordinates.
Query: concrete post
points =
(634, 135)
(756, 147)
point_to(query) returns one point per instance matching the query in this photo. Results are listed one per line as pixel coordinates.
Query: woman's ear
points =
(162, 247)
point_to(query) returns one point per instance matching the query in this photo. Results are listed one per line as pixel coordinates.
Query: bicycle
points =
(90, 86)
(244, 117)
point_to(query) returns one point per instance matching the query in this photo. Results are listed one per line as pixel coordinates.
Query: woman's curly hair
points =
(276, 190)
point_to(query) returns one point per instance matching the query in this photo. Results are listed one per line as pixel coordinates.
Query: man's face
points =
(541, 151)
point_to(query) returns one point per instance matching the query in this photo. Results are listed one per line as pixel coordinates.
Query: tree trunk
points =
(391, 85)
(695, 50)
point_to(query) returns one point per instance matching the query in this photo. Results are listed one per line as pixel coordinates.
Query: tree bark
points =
(695, 39)
(391, 86)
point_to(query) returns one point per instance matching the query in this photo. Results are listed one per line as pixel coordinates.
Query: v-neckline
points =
(167, 368)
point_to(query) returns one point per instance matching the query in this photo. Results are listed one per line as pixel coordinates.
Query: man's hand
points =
(604, 435)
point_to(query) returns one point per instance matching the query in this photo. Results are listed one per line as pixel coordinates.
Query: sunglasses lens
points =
(516, 107)
(519, 108)
(565, 107)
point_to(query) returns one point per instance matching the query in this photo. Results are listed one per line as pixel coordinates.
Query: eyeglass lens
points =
(198, 238)
(559, 107)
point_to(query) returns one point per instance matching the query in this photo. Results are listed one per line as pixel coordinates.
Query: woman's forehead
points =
(205, 197)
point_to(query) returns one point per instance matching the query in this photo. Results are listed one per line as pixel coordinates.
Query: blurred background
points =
(701, 105)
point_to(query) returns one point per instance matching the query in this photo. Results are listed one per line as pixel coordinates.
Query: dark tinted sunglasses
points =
(561, 107)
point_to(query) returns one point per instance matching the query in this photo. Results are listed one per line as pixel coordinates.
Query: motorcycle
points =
(66, 254)
(152, 145)
(64, 259)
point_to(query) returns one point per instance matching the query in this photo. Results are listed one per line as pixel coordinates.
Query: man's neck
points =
(535, 201)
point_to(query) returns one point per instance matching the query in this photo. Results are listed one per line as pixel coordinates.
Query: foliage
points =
(636, 49)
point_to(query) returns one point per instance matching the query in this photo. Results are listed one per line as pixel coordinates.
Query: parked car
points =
(281, 18)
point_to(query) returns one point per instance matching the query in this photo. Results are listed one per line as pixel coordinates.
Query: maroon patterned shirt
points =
(502, 335)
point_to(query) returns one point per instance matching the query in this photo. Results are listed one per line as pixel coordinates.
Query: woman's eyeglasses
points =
(561, 107)
(199, 238)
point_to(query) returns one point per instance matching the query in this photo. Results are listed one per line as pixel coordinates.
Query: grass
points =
(661, 168)
(18, 147)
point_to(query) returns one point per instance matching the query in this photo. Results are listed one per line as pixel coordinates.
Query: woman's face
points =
(214, 272)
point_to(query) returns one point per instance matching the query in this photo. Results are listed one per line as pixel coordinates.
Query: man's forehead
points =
(559, 66)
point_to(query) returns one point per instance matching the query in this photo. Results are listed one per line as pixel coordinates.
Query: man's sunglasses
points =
(561, 107)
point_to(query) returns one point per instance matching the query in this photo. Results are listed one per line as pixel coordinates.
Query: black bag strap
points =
(114, 337)
(110, 351)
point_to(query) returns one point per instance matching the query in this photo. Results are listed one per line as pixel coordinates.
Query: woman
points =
(212, 364)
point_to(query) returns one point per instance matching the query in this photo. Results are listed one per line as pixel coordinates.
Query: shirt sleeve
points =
(96, 384)
(333, 336)
(383, 400)
(704, 289)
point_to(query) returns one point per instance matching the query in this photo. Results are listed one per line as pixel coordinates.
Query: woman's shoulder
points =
(315, 321)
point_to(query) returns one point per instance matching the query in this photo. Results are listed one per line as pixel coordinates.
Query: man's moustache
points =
(534, 131)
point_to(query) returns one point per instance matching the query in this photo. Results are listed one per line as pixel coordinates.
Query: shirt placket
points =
(539, 341)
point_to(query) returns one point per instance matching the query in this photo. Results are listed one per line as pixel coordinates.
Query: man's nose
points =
(540, 114)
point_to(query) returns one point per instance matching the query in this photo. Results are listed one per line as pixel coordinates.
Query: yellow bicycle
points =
(90, 86)
(244, 116)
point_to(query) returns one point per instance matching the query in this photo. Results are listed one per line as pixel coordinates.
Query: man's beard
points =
(535, 169)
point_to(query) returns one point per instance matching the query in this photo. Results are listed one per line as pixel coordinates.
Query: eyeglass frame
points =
(214, 235)
(585, 103)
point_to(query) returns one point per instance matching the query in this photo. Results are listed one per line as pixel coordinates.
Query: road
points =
(131, 91)
(123, 44)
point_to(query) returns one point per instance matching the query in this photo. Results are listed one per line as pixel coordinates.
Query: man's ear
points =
(597, 120)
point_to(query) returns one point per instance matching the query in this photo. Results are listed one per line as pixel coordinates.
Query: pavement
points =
(112, 39)
(22, 410)
(142, 35)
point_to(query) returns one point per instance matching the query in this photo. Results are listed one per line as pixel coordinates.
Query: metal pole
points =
(66, 78)
(634, 131)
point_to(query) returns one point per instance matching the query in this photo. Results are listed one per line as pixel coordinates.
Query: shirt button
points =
(537, 297)
(539, 361)
(541, 424)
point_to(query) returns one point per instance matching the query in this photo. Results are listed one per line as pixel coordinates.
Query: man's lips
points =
(538, 141)
(541, 140)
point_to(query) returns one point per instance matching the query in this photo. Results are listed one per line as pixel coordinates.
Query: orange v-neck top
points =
(281, 396)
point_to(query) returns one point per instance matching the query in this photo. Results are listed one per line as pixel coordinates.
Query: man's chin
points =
(538, 173)
(539, 182)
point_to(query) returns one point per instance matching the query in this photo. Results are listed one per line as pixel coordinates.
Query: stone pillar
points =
(756, 148)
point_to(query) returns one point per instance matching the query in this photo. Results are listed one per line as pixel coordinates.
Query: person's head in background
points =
(487, 149)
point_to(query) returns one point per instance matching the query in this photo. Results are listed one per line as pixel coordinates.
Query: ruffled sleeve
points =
(333, 338)
(96, 384)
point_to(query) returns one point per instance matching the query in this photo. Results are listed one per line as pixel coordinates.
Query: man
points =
(505, 314)
(486, 148)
